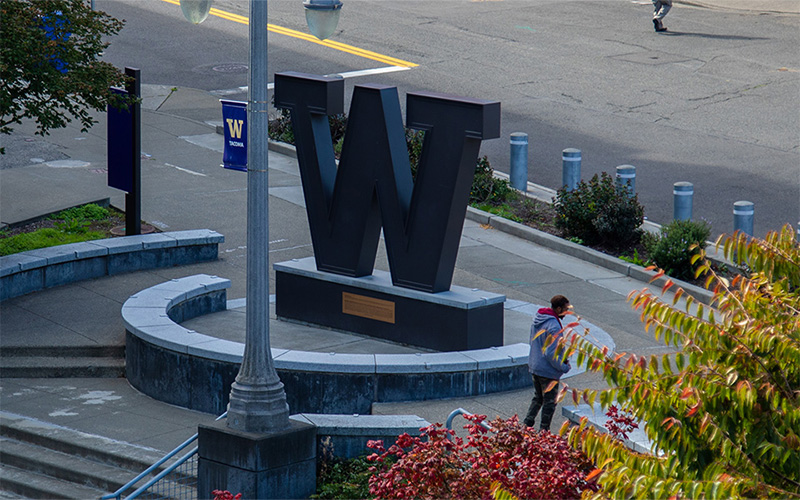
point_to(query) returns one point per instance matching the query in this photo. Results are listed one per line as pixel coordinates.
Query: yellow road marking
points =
(311, 38)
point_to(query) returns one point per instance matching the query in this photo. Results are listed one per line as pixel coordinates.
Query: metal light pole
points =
(257, 400)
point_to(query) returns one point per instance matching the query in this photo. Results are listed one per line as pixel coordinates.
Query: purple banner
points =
(234, 121)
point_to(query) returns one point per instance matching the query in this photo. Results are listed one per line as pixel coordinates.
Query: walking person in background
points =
(661, 8)
(545, 365)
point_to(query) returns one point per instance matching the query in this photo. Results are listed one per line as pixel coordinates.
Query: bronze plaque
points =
(368, 307)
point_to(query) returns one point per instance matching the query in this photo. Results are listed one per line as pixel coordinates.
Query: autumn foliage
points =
(513, 457)
(226, 495)
(723, 408)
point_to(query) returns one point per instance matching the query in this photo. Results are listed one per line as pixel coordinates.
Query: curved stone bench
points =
(35, 270)
(173, 364)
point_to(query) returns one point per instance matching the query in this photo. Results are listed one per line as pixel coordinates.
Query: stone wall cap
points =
(437, 362)
(17, 262)
(88, 249)
(22, 262)
(121, 245)
(500, 357)
(217, 349)
(171, 336)
(54, 255)
(326, 362)
(358, 425)
(196, 236)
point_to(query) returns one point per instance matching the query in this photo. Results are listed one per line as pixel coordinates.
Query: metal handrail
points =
(461, 411)
(118, 494)
(161, 475)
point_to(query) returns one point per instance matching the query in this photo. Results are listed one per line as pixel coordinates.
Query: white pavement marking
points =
(185, 170)
(347, 74)
(67, 164)
(213, 141)
(373, 71)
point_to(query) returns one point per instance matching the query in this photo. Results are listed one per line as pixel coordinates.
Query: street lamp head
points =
(195, 11)
(322, 16)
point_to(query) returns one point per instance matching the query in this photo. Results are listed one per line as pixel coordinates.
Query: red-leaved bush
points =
(620, 423)
(439, 464)
(225, 495)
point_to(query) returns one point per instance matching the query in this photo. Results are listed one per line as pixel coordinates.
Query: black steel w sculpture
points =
(373, 187)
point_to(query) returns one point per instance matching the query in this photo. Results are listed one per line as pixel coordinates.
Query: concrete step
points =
(97, 448)
(34, 485)
(63, 466)
(56, 462)
(61, 367)
(9, 495)
(80, 351)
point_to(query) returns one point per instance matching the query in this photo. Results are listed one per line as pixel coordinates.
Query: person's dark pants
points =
(546, 401)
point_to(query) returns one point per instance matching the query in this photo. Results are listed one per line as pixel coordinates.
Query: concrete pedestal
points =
(457, 320)
(280, 464)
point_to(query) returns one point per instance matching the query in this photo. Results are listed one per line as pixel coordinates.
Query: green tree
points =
(723, 410)
(49, 63)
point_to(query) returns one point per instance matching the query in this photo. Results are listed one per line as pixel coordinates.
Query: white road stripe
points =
(185, 170)
(373, 71)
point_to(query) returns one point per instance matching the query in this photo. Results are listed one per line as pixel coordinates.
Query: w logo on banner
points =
(373, 187)
(235, 127)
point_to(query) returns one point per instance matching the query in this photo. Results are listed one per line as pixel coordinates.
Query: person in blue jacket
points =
(545, 365)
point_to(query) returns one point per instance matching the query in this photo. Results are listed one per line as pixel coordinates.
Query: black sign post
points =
(124, 151)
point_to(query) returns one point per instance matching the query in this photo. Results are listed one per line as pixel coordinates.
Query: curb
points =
(581, 252)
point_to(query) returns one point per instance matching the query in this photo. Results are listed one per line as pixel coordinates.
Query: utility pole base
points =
(280, 464)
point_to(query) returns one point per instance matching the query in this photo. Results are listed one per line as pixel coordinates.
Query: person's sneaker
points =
(658, 25)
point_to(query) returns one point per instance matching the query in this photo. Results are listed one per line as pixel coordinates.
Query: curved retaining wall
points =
(35, 270)
(173, 364)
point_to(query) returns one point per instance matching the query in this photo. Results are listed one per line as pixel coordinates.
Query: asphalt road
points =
(714, 101)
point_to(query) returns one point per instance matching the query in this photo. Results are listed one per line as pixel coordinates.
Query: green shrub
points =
(488, 188)
(414, 141)
(679, 240)
(43, 238)
(600, 212)
(72, 225)
(636, 259)
(343, 479)
(502, 209)
(90, 211)
(280, 129)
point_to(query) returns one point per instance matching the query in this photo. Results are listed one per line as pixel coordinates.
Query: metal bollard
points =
(519, 161)
(626, 177)
(571, 168)
(683, 193)
(743, 212)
